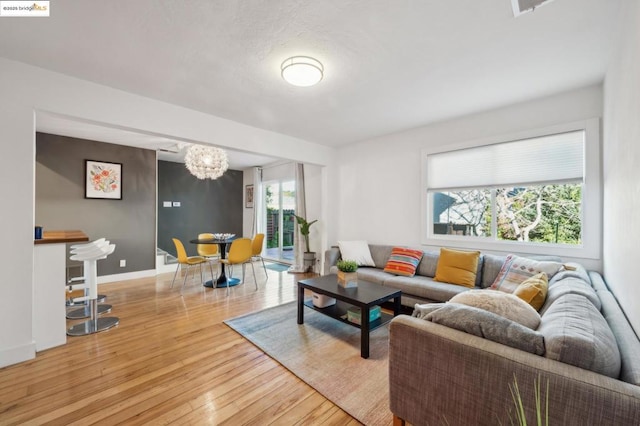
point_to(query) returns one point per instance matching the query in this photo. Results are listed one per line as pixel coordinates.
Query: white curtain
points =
(258, 204)
(301, 210)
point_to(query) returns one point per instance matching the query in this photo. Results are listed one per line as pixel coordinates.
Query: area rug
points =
(325, 354)
(277, 267)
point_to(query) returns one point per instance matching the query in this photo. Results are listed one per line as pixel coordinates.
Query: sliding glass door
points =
(280, 203)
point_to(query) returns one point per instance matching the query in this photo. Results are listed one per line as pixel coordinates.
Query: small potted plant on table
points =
(347, 275)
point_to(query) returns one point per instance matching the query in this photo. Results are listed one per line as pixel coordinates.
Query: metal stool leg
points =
(94, 324)
(85, 311)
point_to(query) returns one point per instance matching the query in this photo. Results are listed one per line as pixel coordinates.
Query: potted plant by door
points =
(309, 256)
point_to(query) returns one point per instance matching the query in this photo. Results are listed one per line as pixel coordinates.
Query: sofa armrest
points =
(331, 257)
(439, 375)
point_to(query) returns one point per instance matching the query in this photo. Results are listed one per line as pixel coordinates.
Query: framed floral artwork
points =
(103, 180)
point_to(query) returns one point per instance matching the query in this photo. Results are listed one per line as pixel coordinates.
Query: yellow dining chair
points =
(210, 252)
(239, 254)
(186, 261)
(256, 250)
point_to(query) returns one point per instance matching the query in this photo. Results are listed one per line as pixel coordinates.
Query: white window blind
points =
(547, 159)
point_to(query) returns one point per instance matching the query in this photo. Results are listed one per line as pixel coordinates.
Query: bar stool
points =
(89, 256)
(78, 283)
(80, 278)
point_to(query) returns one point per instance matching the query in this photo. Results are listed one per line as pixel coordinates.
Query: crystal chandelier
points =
(205, 162)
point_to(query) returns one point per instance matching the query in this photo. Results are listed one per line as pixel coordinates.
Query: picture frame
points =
(103, 180)
(248, 196)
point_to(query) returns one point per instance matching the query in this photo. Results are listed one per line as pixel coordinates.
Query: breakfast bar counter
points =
(49, 280)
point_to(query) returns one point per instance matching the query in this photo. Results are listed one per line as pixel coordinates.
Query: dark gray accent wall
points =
(205, 205)
(60, 204)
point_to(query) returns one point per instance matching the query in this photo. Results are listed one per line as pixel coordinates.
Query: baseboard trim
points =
(126, 276)
(18, 354)
(163, 269)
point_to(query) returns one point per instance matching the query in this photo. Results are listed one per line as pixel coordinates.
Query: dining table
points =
(222, 280)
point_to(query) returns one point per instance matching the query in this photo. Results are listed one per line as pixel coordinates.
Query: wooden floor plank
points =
(171, 360)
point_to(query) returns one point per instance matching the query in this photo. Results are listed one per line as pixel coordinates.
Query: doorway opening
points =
(280, 203)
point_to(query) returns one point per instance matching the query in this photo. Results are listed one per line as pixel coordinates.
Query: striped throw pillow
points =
(403, 261)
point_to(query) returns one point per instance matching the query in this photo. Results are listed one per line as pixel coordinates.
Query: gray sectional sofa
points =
(421, 288)
(446, 374)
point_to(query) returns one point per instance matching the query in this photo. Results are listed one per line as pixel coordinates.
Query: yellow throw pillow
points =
(516, 270)
(534, 290)
(457, 267)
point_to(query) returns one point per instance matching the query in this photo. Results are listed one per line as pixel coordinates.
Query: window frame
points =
(591, 246)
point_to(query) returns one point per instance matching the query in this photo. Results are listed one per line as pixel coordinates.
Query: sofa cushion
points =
(380, 254)
(403, 261)
(503, 304)
(421, 310)
(457, 267)
(488, 325)
(533, 290)
(597, 282)
(628, 343)
(576, 333)
(517, 269)
(373, 275)
(428, 264)
(357, 251)
(572, 270)
(424, 287)
(569, 285)
(491, 266)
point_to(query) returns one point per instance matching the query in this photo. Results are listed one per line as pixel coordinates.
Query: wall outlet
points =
(176, 204)
(123, 263)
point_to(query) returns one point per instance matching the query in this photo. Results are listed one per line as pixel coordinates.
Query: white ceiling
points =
(389, 65)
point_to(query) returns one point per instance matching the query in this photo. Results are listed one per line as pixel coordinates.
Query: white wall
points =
(17, 185)
(25, 90)
(379, 191)
(621, 166)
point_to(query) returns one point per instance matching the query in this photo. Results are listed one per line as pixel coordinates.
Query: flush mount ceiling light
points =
(302, 71)
(206, 162)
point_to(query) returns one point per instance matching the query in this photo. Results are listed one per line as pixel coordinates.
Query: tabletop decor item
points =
(355, 316)
(347, 275)
(223, 236)
(103, 180)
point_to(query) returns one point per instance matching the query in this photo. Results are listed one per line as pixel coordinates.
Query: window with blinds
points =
(527, 190)
(541, 160)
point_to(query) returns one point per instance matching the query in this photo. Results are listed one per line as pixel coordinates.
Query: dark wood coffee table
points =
(365, 296)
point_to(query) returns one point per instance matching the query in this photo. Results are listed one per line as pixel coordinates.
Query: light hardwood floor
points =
(170, 361)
